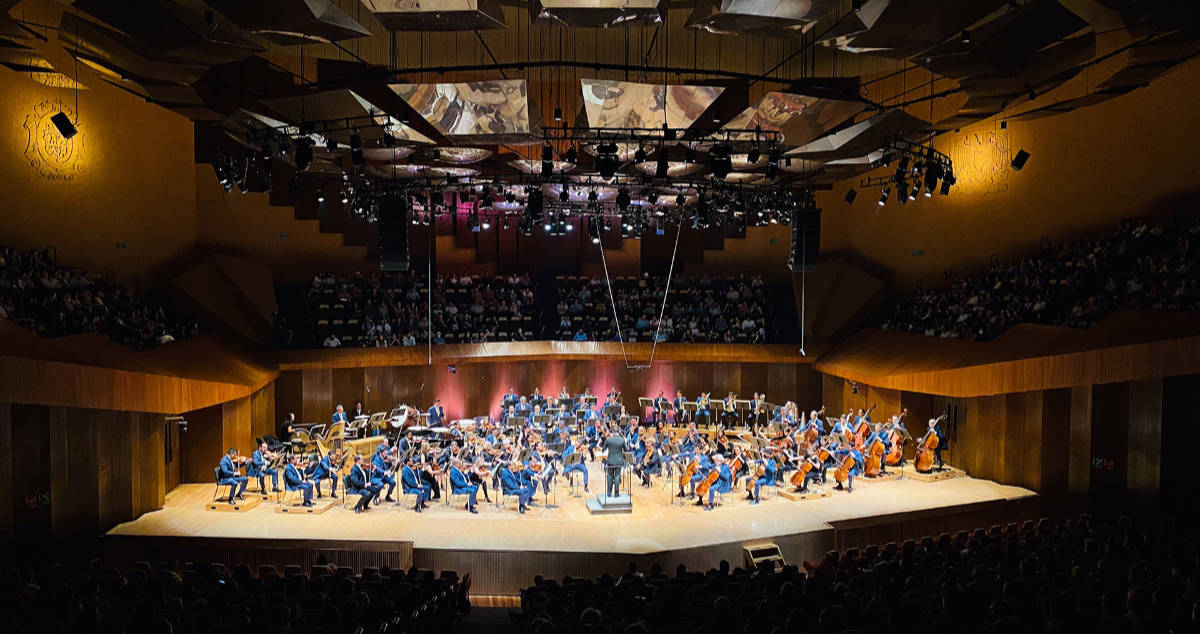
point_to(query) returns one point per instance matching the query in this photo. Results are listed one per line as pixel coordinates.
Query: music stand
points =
(743, 406)
(646, 403)
(541, 420)
(590, 400)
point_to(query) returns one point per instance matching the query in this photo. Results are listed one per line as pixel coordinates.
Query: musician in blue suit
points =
(703, 467)
(383, 463)
(322, 470)
(724, 483)
(293, 480)
(767, 478)
(339, 415)
(877, 434)
(680, 414)
(437, 414)
(411, 483)
(650, 462)
(579, 467)
(660, 407)
(510, 398)
(257, 468)
(228, 475)
(460, 483)
(856, 469)
(523, 407)
(510, 484)
(359, 483)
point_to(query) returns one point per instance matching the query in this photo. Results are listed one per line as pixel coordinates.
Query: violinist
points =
(721, 444)
(359, 483)
(564, 397)
(429, 473)
(412, 483)
(572, 448)
(459, 483)
(536, 398)
(614, 394)
(358, 412)
(322, 470)
(540, 466)
(724, 483)
(293, 480)
(259, 467)
(480, 474)
(510, 484)
(510, 415)
(383, 460)
(691, 439)
(228, 475)
(650, 463)
(405, 444)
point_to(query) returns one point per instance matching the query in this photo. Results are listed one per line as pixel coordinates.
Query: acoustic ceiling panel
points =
(343, 104)
(437, 15)
(798, 118)
(592, 14)
(863, 137)
(902, 28)
(623, 104)
(292, 22)
(487, 112)
(184, 30)
(123, 56)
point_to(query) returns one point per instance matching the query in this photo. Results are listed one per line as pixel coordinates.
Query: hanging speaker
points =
(806, 239)
(393, 235)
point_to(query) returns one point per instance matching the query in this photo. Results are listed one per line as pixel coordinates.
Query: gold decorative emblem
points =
(53, 156)
(981, 162)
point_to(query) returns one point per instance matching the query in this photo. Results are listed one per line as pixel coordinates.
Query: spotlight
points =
(912, 195)
(548, 227)
(966, 36)
(65, 127)
(356, 157)
(851, 194)
(639, 156)
(571, 155)
(720, 161)
(320, 194)
(660, 167)
(773, 162)
(668, 132)
(887, 191)
(753, 155)
(593, 196)
(652, 197)
(558, 114)
(680, 201)
(356, 141)
(689, 155)
(388, 139)
(946, 183)
(564, 195)
(1018, 162)
(606, 159)
(330, 144)
(510, 197)
(284, 148)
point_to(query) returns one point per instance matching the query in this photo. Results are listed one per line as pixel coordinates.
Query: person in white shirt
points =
(332, 342)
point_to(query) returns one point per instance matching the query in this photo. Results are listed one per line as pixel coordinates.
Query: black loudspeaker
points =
(393, 235)
(806, 239)
(64, 124)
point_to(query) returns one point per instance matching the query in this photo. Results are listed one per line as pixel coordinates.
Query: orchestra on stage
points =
(697, 450)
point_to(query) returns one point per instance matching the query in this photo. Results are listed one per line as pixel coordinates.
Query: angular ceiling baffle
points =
(624, 104)
(758, 16)
(186, 30)
(341, 105)
(863, 137)
(900, 29)
(292, 22)
(595, 14)
(797, 118)
(437, 15)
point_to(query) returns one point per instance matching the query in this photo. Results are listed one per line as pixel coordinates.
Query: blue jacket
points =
(258, 464)
(227, 470)
(509, 481)
(458, 480)
(358, 480)
(292, 477)
(724, 481)
(410, 480)
(338, 417)
(436, 415)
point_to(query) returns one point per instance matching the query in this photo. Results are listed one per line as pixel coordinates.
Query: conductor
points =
(614, 447)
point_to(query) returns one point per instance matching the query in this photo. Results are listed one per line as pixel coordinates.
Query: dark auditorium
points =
(599, 316)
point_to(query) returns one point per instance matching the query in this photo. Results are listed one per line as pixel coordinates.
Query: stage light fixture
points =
(966, 36)
(320, 194)
(689, 155)
(1018, 162)
(652, 197)
(887, 191)
(753, 155)
(720, 161)
(668, 132)
(571, 155)
(639, 156)
(773, 162)
(356, 141)
(916, 189)
(510, 197)
(564, 194)
(357, 157)
(851, 194)
(558, 114)
(284, 148)
(947, 182)
(593, 196)
(623, 199)
(63, 124)
(661, 165)
(388, 139)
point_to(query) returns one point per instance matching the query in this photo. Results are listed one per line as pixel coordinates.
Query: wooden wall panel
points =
(1055, 445)
(831, 394)
(74, 508)
(202, 446)
(150, 483)
(347, 387)
(235, 426)
(1079, 457)
(262, 412)
(781, 385)
(317, 405)
(1110, 437)
(31, 471)
(1145, 437)
(1178, 444)
(6, 471)
(289, 391)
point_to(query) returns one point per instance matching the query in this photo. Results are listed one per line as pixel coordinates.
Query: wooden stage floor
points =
(511, 548)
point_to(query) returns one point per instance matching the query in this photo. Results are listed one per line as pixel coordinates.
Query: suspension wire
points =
(429, 294)
(666, 291)
(661, 311)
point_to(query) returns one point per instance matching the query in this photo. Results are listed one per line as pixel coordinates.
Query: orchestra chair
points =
(217, 479)
(501, 495)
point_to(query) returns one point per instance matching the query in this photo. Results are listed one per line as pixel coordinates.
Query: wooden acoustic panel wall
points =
(213, 430)
(78, 471)
(475, 389)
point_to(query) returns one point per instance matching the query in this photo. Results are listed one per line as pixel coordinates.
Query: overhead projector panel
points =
(624, 104)
(493, 111)
(798, 118)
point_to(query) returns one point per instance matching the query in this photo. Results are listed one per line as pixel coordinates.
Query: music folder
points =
(645, 402)
(741, 404)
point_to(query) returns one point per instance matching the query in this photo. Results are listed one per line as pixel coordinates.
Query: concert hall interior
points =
(635, 315)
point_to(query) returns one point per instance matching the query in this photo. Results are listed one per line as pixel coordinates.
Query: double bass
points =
(863, 430)
(874, 459)
(925, 454)
(895, 453)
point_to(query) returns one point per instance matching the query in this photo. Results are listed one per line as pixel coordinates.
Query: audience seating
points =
(1145, 264)
(53, 301)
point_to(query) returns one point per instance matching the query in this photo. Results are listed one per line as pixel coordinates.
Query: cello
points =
(925, 448)
(735, 465)
(806, 466)
(810, 434)
(842, 473)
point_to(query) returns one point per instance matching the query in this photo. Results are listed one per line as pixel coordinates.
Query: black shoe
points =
(231, 500)
(318, 496)
(487, 499)
(241, 497)
(521, 510)
(417, 508)
(708, 507)
(682, 495)
(839, 487)
(699, 503)
(332, 496)
(388, 499)
(473, 511)
(358, 509)
(277, 490)
(749, 496)
(308, 504)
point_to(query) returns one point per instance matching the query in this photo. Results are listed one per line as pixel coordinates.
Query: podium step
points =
(603, 505)
(317, 508)
(241, 506)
